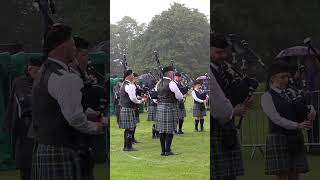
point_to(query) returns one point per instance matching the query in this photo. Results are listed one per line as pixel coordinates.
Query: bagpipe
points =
(298, 90)
(299, 100)
(43, 6)
(94, 93)
(239, 86)
(183, 86)
(183, 89)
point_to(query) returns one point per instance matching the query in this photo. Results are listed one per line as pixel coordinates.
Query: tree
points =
(179, 34)
(122, 33)
(21, 23)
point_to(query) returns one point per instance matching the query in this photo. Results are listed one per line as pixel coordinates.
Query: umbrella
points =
(202, 78)
(295, 51)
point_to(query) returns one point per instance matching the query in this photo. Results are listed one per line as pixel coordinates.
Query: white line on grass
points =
(144, 159)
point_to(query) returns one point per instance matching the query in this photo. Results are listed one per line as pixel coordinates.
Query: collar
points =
(277, 90)
(74, 70)
(59, 62)
(214, 66)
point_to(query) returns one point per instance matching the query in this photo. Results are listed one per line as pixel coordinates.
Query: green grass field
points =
(190, 162)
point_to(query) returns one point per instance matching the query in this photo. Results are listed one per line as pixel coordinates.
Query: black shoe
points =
(154, 137)
(135, 141)
(129, 149)
(181, 132)
(196, 129)
(163, 154)
(169, 153)
(176, 132)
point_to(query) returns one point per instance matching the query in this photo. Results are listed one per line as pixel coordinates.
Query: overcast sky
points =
(143, 10)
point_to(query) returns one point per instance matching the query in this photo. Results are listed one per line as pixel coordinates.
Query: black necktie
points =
(223, 75)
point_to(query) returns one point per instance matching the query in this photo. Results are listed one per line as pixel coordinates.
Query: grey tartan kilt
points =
(166, 117)
(55, 163)
(224, 162)
(199, 110)
(127, 118)
(278, 158)
(152, 111)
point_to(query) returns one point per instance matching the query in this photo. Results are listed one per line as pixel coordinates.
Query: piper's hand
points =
(144, 99)
(249, 102)
(240, 110)
(206, 100)
(312, 116)
(100, 127)
(305, 125)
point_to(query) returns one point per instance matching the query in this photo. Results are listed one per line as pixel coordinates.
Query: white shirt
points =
(220, 106)
(131, 90)
(193, 94)
(66, 89)
(173, 88)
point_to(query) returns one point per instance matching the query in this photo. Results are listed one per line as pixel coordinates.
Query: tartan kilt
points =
(152, 111)
(127, 118)
(167, 117)
(181, 110)
(224, 162)
(55, 163)
(199, 110)
(279, 160)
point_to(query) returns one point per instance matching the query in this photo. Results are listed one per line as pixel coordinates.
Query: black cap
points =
(218, 41)
(167, 68)
(177, 74)
(57, 35)
(279, 67)
(35, 61)
(135, 75)
(127, 73)
(80, 43)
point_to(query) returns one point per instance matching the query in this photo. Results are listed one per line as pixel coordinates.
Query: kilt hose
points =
(278, 158)
(167, 117)
(137, 117)
(199, 110)
(55, 163)
(224, 161)
(152, 111)
(127, 118)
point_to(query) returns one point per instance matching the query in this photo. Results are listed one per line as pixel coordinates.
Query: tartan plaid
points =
(279, 160)
(181, 110)
(152, 111)
(167, 117)
(55, 163)
(199, 110)
(127, 119)
(224, 162)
